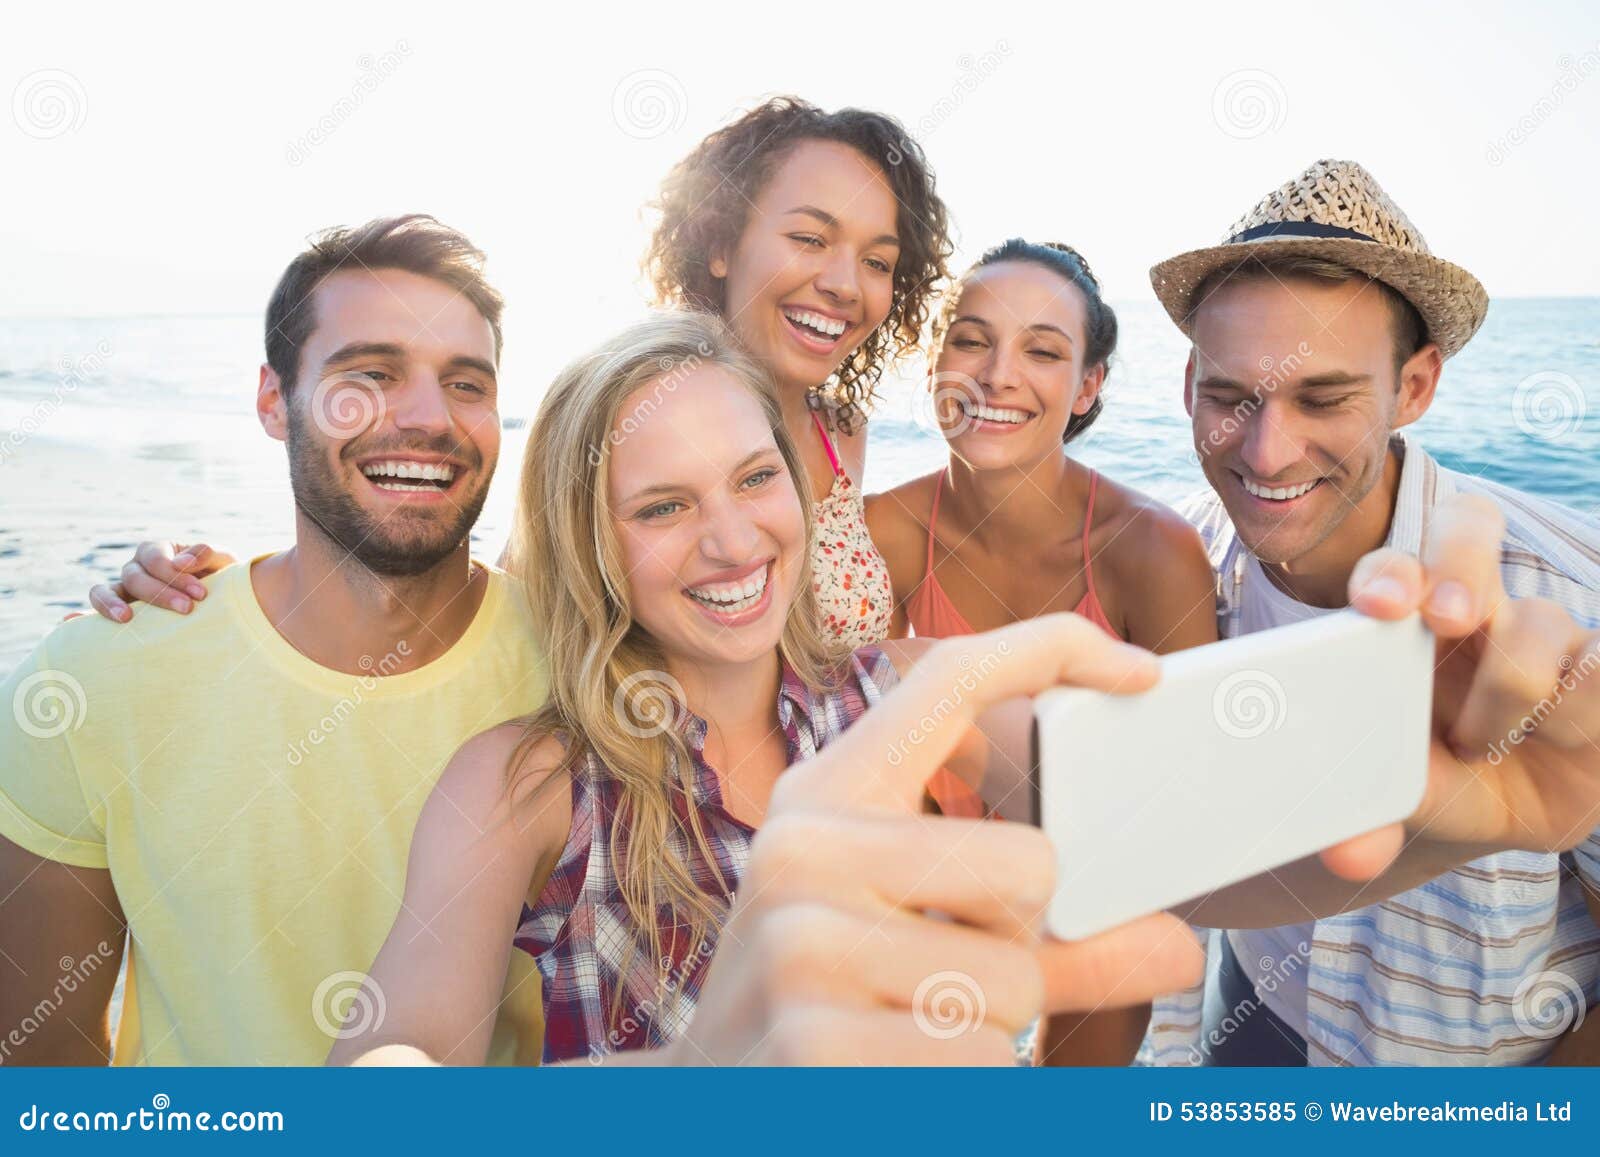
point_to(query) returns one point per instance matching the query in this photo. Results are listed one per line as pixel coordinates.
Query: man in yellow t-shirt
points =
(235, 789)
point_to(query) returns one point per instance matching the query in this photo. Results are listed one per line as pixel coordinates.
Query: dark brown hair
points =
(416, 243)
(1100, 338)
(705, 202)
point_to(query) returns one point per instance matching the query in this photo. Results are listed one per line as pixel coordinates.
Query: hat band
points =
(1297, 229)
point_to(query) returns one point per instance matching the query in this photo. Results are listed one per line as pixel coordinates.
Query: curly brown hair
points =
(705, 202)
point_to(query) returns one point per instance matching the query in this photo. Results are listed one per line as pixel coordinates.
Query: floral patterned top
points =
(849, 576)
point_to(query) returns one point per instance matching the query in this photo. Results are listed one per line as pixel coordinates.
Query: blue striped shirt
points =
(1490, 962)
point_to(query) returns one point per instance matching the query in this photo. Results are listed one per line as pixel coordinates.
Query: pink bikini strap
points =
(933, 516)
(827, 444)
(1088, 523)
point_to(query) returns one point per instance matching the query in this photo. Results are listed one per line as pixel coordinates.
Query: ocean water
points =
(114, 430)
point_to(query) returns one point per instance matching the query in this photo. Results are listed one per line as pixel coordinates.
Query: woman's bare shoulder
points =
(1140, 525)
(1158, 574)
(898, 522)
(502, 774)
(903, 508)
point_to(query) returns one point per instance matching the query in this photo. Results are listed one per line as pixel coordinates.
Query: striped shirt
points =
(603, 990)
(1489, 963)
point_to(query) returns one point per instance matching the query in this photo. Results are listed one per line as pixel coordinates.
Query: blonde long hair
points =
(610, 695)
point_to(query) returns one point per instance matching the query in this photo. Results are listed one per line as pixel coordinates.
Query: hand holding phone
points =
(1249, 753)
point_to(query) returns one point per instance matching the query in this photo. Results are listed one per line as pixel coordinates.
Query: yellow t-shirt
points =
(255, 810)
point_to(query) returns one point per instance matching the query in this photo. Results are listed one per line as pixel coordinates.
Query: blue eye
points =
(660, 510)
(760, 477)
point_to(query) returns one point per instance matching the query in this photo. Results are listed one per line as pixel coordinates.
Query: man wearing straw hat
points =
(1320, 328)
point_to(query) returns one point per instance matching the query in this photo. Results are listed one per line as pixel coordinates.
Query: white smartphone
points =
(1249, 753)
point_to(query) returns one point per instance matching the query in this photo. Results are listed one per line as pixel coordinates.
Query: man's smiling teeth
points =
(1279, 492)
(733, 597)
(395, 475)
(991, 414)
(826, 326)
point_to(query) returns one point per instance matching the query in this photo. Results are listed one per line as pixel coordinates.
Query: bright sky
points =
(172, 160)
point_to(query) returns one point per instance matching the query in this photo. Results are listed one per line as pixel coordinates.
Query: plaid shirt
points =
(603, 992)
(1480, 965)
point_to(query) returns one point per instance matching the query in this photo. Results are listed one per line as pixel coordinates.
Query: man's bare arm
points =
(61, 943)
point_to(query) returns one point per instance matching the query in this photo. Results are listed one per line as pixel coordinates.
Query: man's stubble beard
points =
(371, 541)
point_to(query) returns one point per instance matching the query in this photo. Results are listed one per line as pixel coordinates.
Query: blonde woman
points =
(666, 543)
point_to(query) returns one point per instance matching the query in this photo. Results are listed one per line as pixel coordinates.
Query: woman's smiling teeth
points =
(402, 475)
(731, 598)
(994, 414)
(819, 325)
(1278, 493)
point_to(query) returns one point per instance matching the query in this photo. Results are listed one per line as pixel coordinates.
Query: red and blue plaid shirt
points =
(603, 990)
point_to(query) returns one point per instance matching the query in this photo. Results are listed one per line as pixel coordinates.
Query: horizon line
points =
(229, 314)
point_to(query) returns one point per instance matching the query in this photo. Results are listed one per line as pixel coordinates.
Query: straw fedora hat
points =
(1336, 211)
